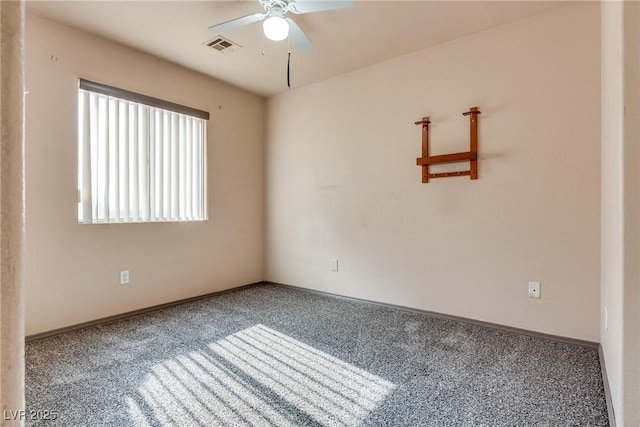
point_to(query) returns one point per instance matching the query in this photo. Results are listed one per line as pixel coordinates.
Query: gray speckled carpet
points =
(274, 356)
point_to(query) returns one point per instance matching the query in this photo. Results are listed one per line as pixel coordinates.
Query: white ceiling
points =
(343, 40)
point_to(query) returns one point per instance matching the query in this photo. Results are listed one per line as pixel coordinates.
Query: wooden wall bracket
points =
(470, 156)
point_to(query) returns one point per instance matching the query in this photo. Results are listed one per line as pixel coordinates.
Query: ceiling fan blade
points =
(236, 23)
(308, 6)
(297, 37)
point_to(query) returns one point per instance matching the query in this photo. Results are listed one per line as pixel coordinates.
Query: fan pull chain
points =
(288, 70)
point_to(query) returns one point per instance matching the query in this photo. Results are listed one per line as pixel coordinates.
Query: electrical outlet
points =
(124, 277)
(534, 289)
(334, 265)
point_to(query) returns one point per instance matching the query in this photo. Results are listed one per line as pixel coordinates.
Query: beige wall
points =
(12, 346)
(73, 270)
(611, 225)
(620, 332)
(342, 181)
(631, 180)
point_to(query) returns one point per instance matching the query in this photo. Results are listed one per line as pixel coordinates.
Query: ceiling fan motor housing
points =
(279, 7)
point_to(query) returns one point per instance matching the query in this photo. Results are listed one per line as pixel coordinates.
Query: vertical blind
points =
(138, 163)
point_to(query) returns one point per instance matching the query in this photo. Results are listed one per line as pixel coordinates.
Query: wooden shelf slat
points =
(448, 174)
(447, 158)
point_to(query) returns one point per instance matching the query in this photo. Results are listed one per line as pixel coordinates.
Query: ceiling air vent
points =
(222, 44)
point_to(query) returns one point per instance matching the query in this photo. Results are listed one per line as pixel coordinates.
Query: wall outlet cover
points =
(124, 277)
(534, 289)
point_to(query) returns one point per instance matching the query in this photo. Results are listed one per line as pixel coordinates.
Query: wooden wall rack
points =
(470, 156)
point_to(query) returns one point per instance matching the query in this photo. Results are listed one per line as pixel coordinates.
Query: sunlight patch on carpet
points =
(254, 377)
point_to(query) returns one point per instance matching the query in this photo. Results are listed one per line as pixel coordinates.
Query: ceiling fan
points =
(278, 27)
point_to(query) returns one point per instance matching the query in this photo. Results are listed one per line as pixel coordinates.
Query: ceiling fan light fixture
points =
(275, 28)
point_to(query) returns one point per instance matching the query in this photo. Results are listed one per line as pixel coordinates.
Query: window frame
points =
(157, 104)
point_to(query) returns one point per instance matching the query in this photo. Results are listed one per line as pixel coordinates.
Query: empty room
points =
(320, 213)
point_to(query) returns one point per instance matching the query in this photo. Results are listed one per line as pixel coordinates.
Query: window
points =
(140, 159)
